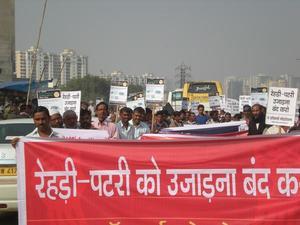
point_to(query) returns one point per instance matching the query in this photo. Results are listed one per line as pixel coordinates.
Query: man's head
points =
(56, 120)
(159, 116)
(192, 117)
(70, 119)
(201, 109)
(102, 111)
(214, 115)
(165, 115)
(227, 117)
(85, 119)
(182, 115)
(41, 118)
(246, 109)
(138, 115)
(256, 110)
(148, 116)
(177, 116)
(125, 115)
(84, 105)
(112, 117)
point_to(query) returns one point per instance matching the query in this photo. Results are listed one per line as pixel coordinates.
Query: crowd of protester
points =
(131, 124)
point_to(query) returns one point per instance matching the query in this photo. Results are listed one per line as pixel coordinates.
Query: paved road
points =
(9, 218)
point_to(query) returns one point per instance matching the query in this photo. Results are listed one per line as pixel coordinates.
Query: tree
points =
(132, 88)
(91, 87)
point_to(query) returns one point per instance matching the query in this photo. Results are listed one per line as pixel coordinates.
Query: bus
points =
(175, 99)
(197, 92)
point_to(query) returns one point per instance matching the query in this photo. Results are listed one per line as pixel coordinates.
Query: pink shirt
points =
(108, 126)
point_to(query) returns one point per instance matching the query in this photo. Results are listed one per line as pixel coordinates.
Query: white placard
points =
(214, 101)
(259, 98)
(155, 92)
(222, 102)
(232, 106)
(185, 104)
(71, 101)
(118, 94)
(244, 100)
(90, 134)
(51, 99)
(140, 102)
(281, 108)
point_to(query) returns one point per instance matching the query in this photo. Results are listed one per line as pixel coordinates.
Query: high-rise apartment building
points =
(234, 87)
(7, 39)
(117, 75)
(233, 84)
(20, 64)
(260, 80)
(42, 65)
(74, 66)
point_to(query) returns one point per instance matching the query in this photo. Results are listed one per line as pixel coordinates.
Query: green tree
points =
(135, 88)
(91, 87)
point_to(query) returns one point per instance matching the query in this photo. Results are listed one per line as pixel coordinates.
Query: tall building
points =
(74, 66)
(21, 64)
(233, 84)
(34, 63)
(118, 75)
(46, 66)
(7, 39)
(233, 87)
(260, 80)
(295, 83)
(52, 66)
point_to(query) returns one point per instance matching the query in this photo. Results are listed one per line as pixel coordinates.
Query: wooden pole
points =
(153, 118)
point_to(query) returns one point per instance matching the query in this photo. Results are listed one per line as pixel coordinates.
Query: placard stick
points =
(153, 117)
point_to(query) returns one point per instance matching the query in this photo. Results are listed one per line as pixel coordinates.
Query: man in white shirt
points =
(41, 119)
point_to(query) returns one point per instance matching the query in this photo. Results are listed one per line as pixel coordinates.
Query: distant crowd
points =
(131, 124)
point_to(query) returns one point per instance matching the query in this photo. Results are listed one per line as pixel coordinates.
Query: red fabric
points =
(183, 208)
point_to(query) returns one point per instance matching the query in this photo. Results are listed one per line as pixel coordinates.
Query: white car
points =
(8, 171)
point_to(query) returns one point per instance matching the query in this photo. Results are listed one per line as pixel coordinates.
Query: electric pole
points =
(183, 74)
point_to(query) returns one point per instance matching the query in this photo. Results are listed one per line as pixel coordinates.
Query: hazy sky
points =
(217, 38)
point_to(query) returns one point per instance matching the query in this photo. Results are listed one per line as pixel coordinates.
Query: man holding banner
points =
(125, 129)
(140, 127)
(41, 119)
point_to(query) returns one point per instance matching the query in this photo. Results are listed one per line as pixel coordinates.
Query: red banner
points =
(225, 181)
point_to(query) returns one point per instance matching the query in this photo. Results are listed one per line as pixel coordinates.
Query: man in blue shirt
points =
(125, 129)
(201, 118)
(140, 127)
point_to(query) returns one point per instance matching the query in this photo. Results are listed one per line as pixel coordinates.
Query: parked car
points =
(8, 171)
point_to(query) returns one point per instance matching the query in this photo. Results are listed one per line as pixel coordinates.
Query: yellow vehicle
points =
(197, 92)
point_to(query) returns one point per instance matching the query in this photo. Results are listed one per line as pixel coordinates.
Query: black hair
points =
(159, 113)
(41, 109)
(229, 114)
(200, 106)
(246, 108)
(102, 103)
(148, 110)
(139, 110)
(84, 112)
(237, 116)
(126, 110)
(176, 113)
(257, 105)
